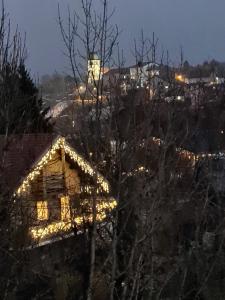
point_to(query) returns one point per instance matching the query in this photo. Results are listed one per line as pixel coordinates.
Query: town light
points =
(81, 88)
(180, 77)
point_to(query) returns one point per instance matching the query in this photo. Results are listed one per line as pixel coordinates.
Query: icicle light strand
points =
(82, 163)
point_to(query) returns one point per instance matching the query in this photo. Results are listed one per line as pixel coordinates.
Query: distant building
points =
(138, 75)
(142, 72)
(210, 80)
(117, 77)
(94, 68)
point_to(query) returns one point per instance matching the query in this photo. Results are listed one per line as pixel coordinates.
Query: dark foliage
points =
(21, 109)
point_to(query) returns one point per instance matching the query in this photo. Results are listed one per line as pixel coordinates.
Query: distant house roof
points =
(120, 71)
(126, 70)
(143, 64)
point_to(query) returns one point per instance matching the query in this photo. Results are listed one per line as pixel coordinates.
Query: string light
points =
(103, 206)
(82, 163)
(42, 232)
(190, 155)
(87, 168)
(37, 170)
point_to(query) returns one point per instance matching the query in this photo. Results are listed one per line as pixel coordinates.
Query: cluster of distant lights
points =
(82, 163)
(184, 153)
(47, 230)
(182, 78)
(190, 155)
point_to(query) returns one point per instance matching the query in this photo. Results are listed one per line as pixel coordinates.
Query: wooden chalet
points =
(53, 188)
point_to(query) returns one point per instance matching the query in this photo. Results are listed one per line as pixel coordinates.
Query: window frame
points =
(42, 210)
(65, 213)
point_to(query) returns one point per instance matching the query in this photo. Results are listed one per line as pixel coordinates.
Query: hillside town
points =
(111, 174)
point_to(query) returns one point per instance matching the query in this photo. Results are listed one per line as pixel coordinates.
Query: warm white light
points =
(82, 163)
(42, 210)
(65, 208)
(63, 226)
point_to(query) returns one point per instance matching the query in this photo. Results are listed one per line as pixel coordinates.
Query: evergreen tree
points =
(21, 108)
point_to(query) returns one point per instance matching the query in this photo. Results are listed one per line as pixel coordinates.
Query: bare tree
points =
(139, 144)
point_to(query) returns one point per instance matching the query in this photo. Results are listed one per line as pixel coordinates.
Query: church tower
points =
(94, 68)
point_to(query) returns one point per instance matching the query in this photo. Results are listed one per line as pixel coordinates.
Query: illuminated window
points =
(65, 208)
(42, 210)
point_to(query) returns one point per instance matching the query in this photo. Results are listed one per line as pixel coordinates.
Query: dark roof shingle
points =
(18, 155)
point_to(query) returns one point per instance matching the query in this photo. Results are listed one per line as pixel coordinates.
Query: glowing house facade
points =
(54, 188)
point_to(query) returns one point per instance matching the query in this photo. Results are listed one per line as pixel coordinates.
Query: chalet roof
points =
(23, 157)
(19, 153)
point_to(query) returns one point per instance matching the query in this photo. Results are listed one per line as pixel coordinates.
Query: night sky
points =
(197, 25)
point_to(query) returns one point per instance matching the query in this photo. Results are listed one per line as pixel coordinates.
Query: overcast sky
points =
(197, 25)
